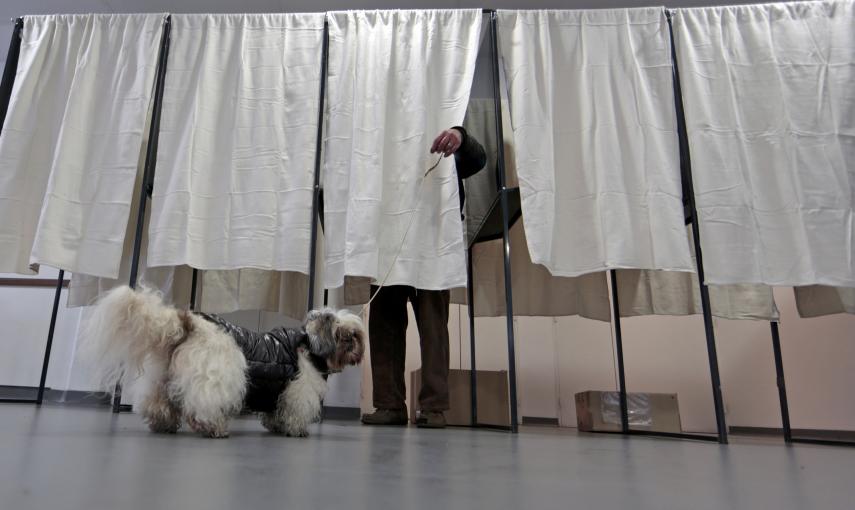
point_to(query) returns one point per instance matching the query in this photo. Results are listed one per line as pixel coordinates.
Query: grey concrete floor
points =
(76, 458)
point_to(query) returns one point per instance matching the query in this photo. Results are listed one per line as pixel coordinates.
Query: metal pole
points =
(194, 284)
(624, 409)
(782, 387)
(782, 395)
(686, 170)
(46, 361)
(10, 70)
(506, 252)
(313, 248)
(148, 172)
(151, 151)
(470, 300)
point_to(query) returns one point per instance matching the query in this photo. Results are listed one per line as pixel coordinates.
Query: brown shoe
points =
(431, 420)
(386, 417)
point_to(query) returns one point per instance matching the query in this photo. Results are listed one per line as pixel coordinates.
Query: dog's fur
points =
(194, 371)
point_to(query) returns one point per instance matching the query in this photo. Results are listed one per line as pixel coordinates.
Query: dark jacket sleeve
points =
(470, 157)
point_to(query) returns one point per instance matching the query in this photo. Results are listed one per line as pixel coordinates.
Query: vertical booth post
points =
(624, 409)
(506, 244)
(313, 246)
(686, 171)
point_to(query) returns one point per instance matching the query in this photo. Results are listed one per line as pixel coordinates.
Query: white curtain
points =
(770, 110)
(396, 79)
(647, 292)
(820, 300)
(592, 107)
(235, 165)
(71, 139)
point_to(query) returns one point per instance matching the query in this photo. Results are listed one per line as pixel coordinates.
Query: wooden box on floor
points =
(493, 398)
(658, 412)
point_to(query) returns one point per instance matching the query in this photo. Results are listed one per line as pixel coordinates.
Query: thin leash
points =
(404, 238)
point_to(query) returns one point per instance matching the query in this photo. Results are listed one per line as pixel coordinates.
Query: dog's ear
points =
(320, 325)
(350, 330)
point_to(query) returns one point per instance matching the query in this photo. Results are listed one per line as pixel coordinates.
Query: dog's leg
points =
(300, 404)
(208, 378)
(159, 412)
(271, 422)
(212, 427)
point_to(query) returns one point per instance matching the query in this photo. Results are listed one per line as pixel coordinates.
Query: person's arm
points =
(470, 157)
(468, 153)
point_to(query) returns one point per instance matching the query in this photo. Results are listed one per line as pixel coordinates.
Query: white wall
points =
(24, 322)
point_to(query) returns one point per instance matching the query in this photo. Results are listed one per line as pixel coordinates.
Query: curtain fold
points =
(536, 292)
(821, 300)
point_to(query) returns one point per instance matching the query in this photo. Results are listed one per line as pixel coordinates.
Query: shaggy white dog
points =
(203, 370)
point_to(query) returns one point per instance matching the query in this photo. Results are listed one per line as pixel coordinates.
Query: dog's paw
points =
(269, 421)
(297, 433)
(159, 428)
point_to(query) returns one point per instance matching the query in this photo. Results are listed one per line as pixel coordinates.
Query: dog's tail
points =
(125, 329)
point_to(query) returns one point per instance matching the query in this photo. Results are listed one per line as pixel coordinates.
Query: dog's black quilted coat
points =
(271, 359)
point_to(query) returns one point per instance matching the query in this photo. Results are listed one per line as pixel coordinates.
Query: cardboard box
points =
(599, 411)
(493, 400)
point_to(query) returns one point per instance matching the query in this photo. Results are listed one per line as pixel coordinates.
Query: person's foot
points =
(386, 417)
(431, 420)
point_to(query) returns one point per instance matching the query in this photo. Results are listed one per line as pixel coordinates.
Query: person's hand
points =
(447, 142)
